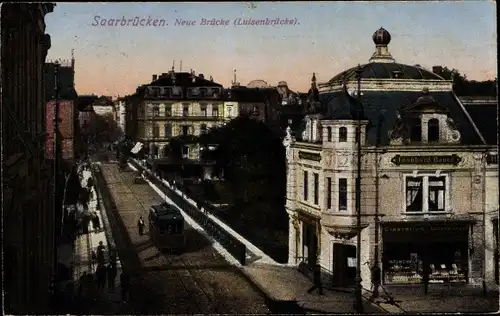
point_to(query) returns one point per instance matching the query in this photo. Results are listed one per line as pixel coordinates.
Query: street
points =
(196, 281)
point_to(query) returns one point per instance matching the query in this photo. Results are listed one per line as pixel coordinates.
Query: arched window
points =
(433, 130)
(342, 134)
(329, 134)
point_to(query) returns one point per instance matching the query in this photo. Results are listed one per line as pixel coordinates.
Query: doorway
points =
(344, 269)
(309, 244)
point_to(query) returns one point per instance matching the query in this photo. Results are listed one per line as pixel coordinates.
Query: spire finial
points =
(234, 76)
(314, 77)
(173, 65)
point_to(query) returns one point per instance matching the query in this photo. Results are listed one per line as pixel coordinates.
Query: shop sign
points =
(492, 159)
(418, 228)
(309, 156)
(426, 160)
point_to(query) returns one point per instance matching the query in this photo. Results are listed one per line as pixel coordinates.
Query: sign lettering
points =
(309, 156)
(426, 160)
(422, 228)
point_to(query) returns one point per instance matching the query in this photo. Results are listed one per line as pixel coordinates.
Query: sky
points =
(323, 37)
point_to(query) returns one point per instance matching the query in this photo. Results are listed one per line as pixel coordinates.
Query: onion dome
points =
(381, 37)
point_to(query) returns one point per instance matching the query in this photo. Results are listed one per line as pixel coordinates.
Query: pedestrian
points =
(425, 277)
(111, 276)
(81, 283)
(376, 279)
(317, 280)
(125, 286)
(100, 276)
(140, 225)
(100, 253)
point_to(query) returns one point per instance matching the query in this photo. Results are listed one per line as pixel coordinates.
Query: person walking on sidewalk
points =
(111, 270)
(100, 254)
(375, 278)
(101, 276)
(317, 280)
(125, 286)
(140, 225)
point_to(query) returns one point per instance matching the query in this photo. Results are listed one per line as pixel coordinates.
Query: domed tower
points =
(381, 38)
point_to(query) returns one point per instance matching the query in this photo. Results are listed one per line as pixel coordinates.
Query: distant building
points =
(104, 106)
(120, 111)
(177, 104)
(429, 178)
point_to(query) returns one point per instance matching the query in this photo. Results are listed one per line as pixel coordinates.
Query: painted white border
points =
(425, 192)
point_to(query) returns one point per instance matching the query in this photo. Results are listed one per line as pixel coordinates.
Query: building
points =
(120, 110)
(68, 111)
(28, 215)
(177, 104)
(104, 106)
(429, 179)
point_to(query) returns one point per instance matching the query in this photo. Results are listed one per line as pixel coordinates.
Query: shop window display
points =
(404, 263)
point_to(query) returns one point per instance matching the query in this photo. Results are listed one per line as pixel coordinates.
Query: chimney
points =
(437, 69)
(155, 77)
(201, 76)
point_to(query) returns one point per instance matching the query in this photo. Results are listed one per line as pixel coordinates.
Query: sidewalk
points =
(287, 284)
(441, 299)
(92, 299)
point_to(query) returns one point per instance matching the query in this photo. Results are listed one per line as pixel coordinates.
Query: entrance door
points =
(343, 274)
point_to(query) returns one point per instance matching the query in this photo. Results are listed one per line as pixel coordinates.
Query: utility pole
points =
(55, 157)
(358, 303)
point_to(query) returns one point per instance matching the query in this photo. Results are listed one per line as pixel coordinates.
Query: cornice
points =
(410, 85)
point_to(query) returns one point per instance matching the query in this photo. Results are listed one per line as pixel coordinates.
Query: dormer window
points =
(342, 134)
(433, 130)
(329, 134)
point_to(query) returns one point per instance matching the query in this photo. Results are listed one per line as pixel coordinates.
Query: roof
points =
(485, 118)
(376, 70)
(84, 101)
(381, 109)
(183, 79)
(243, 94)
(167, 211)
(346, 107)
(258, 84)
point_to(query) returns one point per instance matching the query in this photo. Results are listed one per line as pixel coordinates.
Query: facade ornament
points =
(399, 133)
(287, 142)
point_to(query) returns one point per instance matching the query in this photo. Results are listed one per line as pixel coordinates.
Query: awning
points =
(137, 148)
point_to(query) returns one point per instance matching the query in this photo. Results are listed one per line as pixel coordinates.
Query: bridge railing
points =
(235, 247)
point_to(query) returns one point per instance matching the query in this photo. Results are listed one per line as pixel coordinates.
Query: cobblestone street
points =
(198, 281)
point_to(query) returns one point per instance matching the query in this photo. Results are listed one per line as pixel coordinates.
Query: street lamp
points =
(358, 303)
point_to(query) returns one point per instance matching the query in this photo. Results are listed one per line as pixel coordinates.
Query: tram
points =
(167, 227)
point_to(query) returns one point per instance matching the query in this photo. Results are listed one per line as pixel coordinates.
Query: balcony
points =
(198, 117)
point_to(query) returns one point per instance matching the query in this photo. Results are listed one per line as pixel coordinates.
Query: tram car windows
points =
(166, 225)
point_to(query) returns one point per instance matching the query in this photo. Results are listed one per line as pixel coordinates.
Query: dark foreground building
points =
(28, 217)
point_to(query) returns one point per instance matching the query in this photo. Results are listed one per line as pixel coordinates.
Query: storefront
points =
(496, 256)
(309, 239)
(442, 247)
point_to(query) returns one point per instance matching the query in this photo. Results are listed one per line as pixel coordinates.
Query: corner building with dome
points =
(429, 180)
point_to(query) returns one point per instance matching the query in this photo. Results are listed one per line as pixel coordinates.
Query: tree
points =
(465, 87)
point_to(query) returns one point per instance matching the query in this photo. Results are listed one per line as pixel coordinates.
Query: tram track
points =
(174, 260)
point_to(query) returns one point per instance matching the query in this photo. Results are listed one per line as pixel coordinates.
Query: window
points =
(185, 110)
(414, 194)
(306, 175)
(168, 110)
(204, 110)
(416, 131)
(156, 111)
(255, 110)
(168, 130)
(343, 134)
(229, 111)
(328, 193)
(436, 194)
(342, 194)
(203, 92)
(316, 189)
(156, 130)
(433, 130)
(185, 130)
(433, 200)
(329, 134)
(203, 128)
(215, 111)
